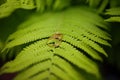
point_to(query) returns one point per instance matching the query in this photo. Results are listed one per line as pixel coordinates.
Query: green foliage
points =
(115, 14)
(11, 5)
(61, 43)
(41, 5)
(100, 5)
(57, 42)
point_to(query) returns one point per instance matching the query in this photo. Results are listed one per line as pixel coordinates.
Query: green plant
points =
(58, 40)
(115, 13)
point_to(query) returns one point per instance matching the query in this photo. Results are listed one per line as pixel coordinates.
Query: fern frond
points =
(57, 60)
(103, 5)
(100, 5)
(11, 5)
(114, 13)
(58, 42)
(113, 19)
(60, 4)
(93, 3)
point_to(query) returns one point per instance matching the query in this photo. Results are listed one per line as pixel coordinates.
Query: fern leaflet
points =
(114, 13)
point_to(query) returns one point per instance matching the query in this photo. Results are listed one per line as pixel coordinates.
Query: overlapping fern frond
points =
(114, 13)
(11, 5)
(57, 43)
(100, 5)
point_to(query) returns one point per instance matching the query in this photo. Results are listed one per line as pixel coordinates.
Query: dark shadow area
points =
(111, 67)
(9, 24)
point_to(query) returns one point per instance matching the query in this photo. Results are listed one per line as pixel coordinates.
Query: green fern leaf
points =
(60, 4)
(11, 5)
(114, 13)
(53, 4)
(93, 3)
(100, 5)
(59, 41)
(113, 19)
